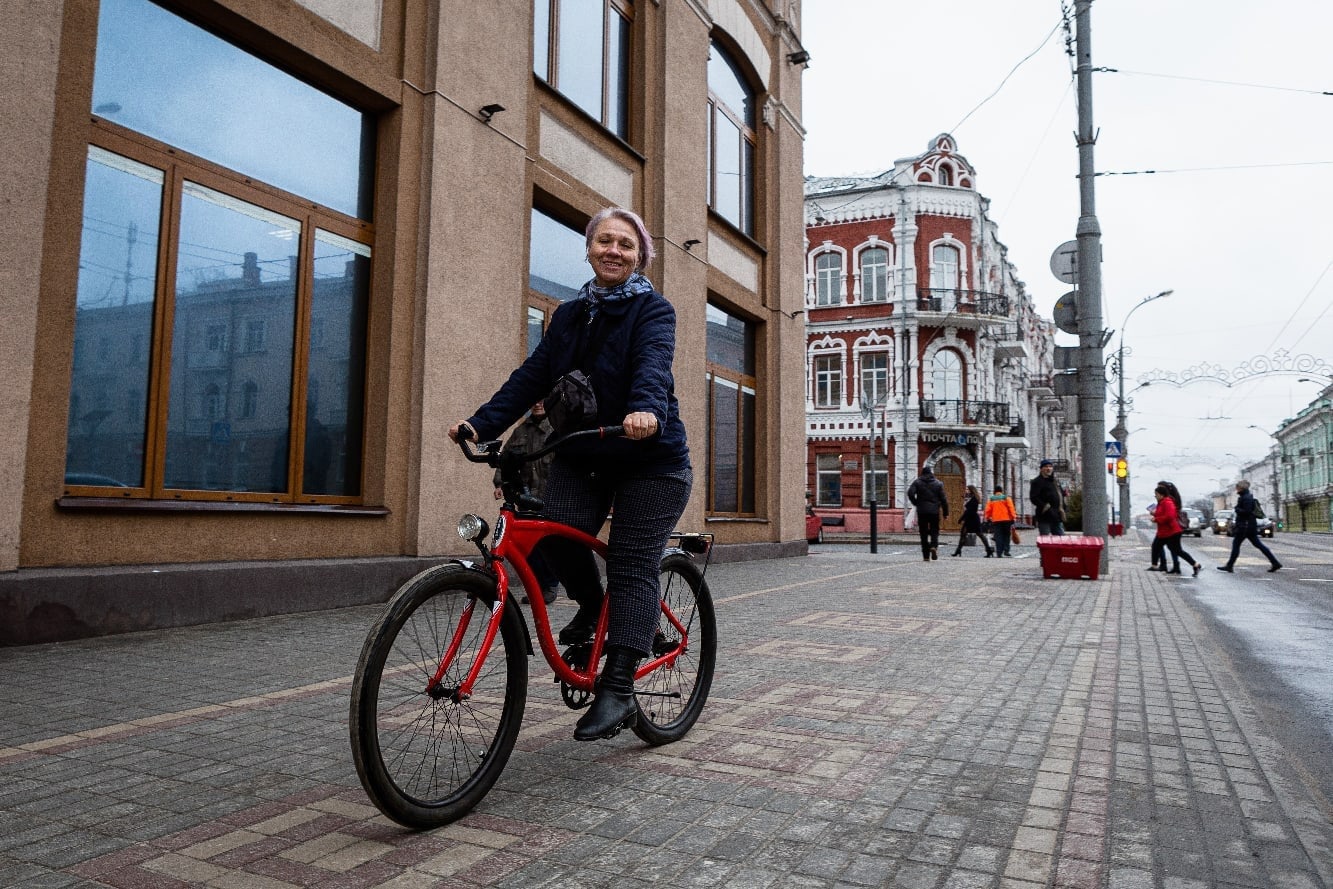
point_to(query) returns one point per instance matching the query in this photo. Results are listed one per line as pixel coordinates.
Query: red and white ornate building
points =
(922, 344)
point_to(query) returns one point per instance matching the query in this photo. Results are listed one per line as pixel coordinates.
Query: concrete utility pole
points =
(1091, 368)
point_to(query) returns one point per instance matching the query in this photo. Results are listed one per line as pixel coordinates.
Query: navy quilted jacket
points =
(630, 373)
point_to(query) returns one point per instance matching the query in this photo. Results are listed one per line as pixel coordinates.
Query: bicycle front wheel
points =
(425, 754)
(671, 698)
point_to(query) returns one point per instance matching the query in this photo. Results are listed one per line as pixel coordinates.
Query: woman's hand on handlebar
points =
(640, 425)
(470, 434)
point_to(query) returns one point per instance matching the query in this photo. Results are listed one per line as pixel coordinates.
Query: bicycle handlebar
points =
(488, 452)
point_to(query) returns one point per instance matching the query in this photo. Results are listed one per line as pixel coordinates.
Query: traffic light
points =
(1110, 467)
(1122, 468)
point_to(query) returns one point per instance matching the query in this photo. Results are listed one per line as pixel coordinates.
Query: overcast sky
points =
(1248, 249)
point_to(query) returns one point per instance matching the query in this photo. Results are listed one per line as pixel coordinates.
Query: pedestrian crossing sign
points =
(1113, 449)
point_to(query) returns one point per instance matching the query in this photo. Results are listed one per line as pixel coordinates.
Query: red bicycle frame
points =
(514, 539)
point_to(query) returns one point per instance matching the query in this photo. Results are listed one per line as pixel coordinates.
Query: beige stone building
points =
(260, 254)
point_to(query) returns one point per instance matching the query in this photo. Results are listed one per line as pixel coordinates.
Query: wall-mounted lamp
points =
(690, 243)
(800, 57)
(489, 111)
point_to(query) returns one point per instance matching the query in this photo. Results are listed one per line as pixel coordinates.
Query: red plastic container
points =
(1070, 557)
(1115, 529)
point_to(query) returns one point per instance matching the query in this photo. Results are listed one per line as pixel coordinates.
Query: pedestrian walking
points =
(1001, 514)
(927, 495)
(1245, 526)
(1168, 528)
(1048, 501)
(1157, 556)
(972, 522)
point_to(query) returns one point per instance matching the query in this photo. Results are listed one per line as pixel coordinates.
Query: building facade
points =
(263, 253)
(922, 344)
(1303, 474)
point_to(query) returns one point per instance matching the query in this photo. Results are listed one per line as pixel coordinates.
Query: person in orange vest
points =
(1001, 514)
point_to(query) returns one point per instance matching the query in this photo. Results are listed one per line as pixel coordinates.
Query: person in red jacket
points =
(1167, 518)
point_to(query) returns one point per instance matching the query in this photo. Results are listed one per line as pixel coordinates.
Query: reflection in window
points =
(162, 76)
(536, 328)
(732, 140)
(335, 390)
(236, 260)
(581, 47)
(117, 281)
(557, 258)
(731, 413)
(874, 275)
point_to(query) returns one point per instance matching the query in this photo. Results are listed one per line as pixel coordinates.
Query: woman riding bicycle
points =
(622, 333)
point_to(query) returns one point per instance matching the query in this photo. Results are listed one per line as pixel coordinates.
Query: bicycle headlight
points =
(472, 527)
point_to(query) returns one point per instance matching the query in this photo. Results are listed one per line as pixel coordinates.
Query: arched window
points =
(874, 275)
(212, 402)
(947, 376)
(944, 267)
(828, 279)
(944, 261)
(731, 141)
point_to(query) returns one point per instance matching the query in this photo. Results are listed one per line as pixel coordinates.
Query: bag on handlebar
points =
(572, 404)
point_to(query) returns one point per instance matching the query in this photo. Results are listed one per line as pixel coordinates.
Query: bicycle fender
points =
(511, 605)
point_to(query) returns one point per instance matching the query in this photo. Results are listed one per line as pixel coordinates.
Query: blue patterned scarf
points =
(595, 297)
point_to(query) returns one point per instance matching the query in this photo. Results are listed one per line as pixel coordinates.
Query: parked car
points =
(1266, 526)
(814, 526)
(1192, 522)
(1222, 521)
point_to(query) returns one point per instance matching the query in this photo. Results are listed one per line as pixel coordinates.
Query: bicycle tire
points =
(427, 761)
(671, 699)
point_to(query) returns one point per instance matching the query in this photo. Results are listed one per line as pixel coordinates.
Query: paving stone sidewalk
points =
(875, 721)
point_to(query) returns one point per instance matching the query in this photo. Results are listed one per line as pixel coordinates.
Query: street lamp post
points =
(1121, 431)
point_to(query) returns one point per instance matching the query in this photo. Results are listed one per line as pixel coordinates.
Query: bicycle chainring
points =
(577, 658)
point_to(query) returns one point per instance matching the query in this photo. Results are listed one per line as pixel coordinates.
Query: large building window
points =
(557, 270)
(581, 47)
(874, 275)
(828, 381)
(251, 264)
(828, 279)
(874, 378)
(875, 479)
(731, 132)
(731, 414)
(828, 479)
(944, 280)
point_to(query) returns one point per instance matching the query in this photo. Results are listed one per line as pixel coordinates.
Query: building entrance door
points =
(949, 470)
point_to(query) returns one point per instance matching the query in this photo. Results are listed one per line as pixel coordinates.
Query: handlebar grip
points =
(610, 431)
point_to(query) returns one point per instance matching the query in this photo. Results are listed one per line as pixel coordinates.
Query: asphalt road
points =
(1278, 628)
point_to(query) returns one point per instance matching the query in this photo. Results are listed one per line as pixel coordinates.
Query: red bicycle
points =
(441, 684)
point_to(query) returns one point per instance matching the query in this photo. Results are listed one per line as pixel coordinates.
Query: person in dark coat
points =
(1048, 501)
(972, 521)
(927, 495)
(622, 333)
(1245, 526)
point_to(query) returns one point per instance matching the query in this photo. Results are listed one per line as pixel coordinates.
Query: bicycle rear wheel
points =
(426, 757)
(671, 698)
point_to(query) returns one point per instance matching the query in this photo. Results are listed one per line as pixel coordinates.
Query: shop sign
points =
(953, 438)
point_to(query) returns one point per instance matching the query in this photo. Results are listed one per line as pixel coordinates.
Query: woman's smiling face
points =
(614, 252)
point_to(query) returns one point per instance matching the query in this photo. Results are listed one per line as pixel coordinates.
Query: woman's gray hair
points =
(646, 251)
(1243, 484)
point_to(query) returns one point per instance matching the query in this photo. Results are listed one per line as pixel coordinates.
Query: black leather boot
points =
(613, 705)
(580, 629)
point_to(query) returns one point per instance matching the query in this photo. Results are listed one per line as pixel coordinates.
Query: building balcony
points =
(949, 413)
(1009, 343)
(1016, 437)
(948, 307)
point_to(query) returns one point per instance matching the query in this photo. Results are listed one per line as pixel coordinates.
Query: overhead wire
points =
(1257, 86)
(1012, 70)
